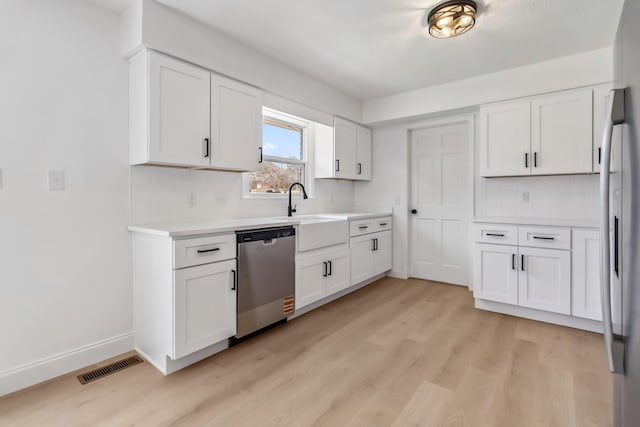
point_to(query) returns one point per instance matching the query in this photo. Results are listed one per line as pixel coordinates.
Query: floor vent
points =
(109, 369)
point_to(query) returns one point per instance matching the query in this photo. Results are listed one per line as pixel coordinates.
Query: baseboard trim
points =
(51, 367)
(541, 316)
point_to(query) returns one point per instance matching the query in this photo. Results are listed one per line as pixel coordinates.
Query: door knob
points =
(414, 211)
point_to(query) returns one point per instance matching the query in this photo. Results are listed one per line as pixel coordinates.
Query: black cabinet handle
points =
(414, 211)
(535, 159)
(235, 280)
(205, 148)
(495, 234)
(376, 244)
(359, 168)
(260, 152)
(382, 224)
(363, 227)
(204, 251)
(513, 261)
(337, 165)
(373, 245)
(616, 255)
(526, 160)
(324, 269)
(599, 155)
(522, 262)
(543, 238)
(330, 268)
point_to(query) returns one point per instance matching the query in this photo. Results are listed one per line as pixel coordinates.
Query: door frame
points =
(469, 119)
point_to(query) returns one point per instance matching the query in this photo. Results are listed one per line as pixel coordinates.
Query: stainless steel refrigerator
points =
(620, 221)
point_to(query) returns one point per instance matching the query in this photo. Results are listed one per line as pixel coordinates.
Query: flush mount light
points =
(452, 18)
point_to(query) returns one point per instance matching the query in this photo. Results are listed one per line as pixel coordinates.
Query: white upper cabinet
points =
(363, 154)
(348, 155)
(543, 135)
(505, 138)
(236, 125)
(561, 134)
(183, 115)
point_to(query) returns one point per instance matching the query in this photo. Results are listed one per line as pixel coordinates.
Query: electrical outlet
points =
(524, 197)
(56, 181)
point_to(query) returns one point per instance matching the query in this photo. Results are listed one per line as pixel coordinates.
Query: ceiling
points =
(373, 48)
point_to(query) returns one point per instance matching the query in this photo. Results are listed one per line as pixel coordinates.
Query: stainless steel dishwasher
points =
(266, 277)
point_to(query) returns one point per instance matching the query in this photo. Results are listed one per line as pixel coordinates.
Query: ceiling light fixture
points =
(452, 18)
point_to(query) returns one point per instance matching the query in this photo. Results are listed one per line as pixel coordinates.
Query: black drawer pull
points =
(543, 238)
(382, 224)
(495, 234)
(203, 251)
(363, 227)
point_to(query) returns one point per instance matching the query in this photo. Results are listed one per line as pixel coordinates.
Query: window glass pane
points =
(281, 141)
(276, 178)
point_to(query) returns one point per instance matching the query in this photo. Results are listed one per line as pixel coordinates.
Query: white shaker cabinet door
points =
(495, 274)
(363, 154)
(178, 112)
(236, 125)
(545, 279)
(310, 280)
(382, 257)
(505, 139)
(338, 277)
(585, 280)
(362, 267)
(561, 133)
(204, 306)
(345, 137)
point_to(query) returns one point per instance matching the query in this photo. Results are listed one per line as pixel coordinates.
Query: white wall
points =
(176, 34)
(584, 69)
(65, 263)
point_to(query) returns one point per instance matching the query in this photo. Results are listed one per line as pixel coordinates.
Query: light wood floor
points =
(396, 353)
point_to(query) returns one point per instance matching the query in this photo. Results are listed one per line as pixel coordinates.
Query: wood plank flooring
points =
(396, 353)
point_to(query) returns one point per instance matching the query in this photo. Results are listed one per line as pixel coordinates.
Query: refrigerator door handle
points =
(614, 345)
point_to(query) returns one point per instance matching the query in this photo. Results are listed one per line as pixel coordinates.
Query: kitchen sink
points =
(319, 231)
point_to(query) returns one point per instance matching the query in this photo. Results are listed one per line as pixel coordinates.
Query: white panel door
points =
(178, 112)
(204, 306)
(345, 136)
(361, 258)
(441, 199)
(236, 125)
(382, 255)
(505, 139)
(363, 154)
(495, 273)
(544, 281)
(561, 133)
(338, 277)
(585, 280)
(310, 281)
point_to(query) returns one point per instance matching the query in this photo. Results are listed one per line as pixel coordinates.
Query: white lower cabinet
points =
(544, 279)
(320, 276)
(495, 272)
(585, 279)
(370, 255)
(204, 306)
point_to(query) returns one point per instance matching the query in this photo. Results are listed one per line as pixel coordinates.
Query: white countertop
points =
(231, 225)
(575, 223)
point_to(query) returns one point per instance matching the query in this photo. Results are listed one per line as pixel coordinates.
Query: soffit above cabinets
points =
(372, 48)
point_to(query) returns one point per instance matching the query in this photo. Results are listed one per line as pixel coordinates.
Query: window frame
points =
(288, 121)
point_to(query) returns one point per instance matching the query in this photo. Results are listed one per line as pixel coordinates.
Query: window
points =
(284, 156)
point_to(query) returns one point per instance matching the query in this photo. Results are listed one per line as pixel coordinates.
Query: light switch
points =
(56, 181)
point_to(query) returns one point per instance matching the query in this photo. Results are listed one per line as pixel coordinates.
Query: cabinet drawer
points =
(371, 225)
(496, 233)
(544, 237)
(202, 250)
